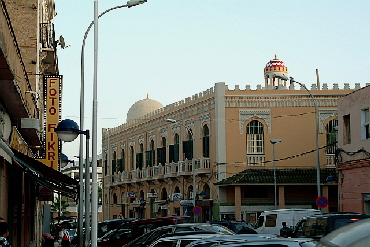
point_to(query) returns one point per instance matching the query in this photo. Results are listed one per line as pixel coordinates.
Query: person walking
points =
(64, 236)
(4, 233)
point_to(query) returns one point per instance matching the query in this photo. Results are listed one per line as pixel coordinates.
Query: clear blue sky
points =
(173, 49)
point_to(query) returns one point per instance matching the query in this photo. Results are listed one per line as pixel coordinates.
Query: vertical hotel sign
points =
(52, 113)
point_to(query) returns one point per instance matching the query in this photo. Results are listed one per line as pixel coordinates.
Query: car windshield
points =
(240, 226)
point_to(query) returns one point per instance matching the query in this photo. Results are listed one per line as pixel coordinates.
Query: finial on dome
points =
(276, 57)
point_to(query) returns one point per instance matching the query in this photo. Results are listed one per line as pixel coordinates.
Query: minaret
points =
(273, 68)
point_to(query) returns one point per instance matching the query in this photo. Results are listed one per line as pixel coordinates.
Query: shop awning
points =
(46, 176)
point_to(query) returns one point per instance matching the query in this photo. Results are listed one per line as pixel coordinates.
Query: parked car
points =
(353, 235)
(317, 226)
(179, 240)
(108, 225)
(277, 242)
(150, 237)
(237, 226)
(238, 238)
(128, 231)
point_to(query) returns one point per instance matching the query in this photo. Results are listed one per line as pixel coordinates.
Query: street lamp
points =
(94, 210)
(193, 166)
(273, 142)
(285, 78)
(67, 131)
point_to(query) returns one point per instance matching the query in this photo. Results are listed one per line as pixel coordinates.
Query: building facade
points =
(214, 149)
(354, 151)
(27, 55)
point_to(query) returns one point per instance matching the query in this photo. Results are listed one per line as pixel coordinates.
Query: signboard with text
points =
(52, 112)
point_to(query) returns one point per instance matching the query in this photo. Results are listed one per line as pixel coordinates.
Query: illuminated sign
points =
(52, 94)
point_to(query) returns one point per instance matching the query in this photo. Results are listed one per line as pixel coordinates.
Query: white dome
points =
(142, 107)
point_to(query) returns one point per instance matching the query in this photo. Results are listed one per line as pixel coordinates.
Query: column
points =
(281, 197)
(238, 203)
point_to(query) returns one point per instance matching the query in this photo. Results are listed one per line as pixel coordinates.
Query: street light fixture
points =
(193, 166)
(273, 142)
(67, 131)
(285, 78)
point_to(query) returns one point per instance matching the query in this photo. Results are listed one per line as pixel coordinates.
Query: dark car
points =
(127, 232)
(108, 225)
(237, 227)
(317, 226)
(186, 228)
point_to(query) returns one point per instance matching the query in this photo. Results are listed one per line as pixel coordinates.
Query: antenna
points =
(318, 79)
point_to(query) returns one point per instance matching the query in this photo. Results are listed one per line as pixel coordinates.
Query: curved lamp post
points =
(193, 167)
(94, 210)
(67, 131)
(285, 78)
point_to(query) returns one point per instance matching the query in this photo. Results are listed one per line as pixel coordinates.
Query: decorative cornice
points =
(324, 115)
(131, 141)
(141, 139)
(246, 114)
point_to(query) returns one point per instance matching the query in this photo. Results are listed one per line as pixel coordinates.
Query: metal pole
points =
(317, 138)
(87, 191)
(273, 157)
(94, 201)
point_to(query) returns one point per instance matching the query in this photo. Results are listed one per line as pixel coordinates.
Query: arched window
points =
(205, 141)
(114, 163)
(164, 194)
(106, 165)
(161, 152)
(255, 137)
(121, 165)
(114, 198)
(132, 156)
(207, 192)
(190, 192)
(150, 155)
(177, 189)
(188, 145)
(140, 157)
(331, 136)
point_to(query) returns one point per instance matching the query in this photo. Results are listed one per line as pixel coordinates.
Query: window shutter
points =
(171, 153)
(176, 156)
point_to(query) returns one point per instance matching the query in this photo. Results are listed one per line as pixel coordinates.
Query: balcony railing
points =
(47, 35)
(173, 169)
(256, 160)
(330, 160)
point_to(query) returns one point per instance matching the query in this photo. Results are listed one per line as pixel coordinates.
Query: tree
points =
(60, 204)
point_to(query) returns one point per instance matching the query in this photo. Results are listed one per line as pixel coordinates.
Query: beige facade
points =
(220, 133)
(354, 151)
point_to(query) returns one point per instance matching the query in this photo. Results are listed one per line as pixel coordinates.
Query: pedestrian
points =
(47, 240)
(4, 233)
(64, 236)
(286, 231)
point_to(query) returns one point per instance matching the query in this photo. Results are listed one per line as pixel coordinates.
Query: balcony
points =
(256, 160)
(330, 160)
(169, 170)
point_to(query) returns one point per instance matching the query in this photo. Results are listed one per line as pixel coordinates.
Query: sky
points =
(173, 49)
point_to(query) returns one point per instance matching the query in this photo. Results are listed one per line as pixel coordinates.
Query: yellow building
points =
(221, 137)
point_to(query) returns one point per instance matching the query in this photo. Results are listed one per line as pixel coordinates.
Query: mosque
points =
(233, 153)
